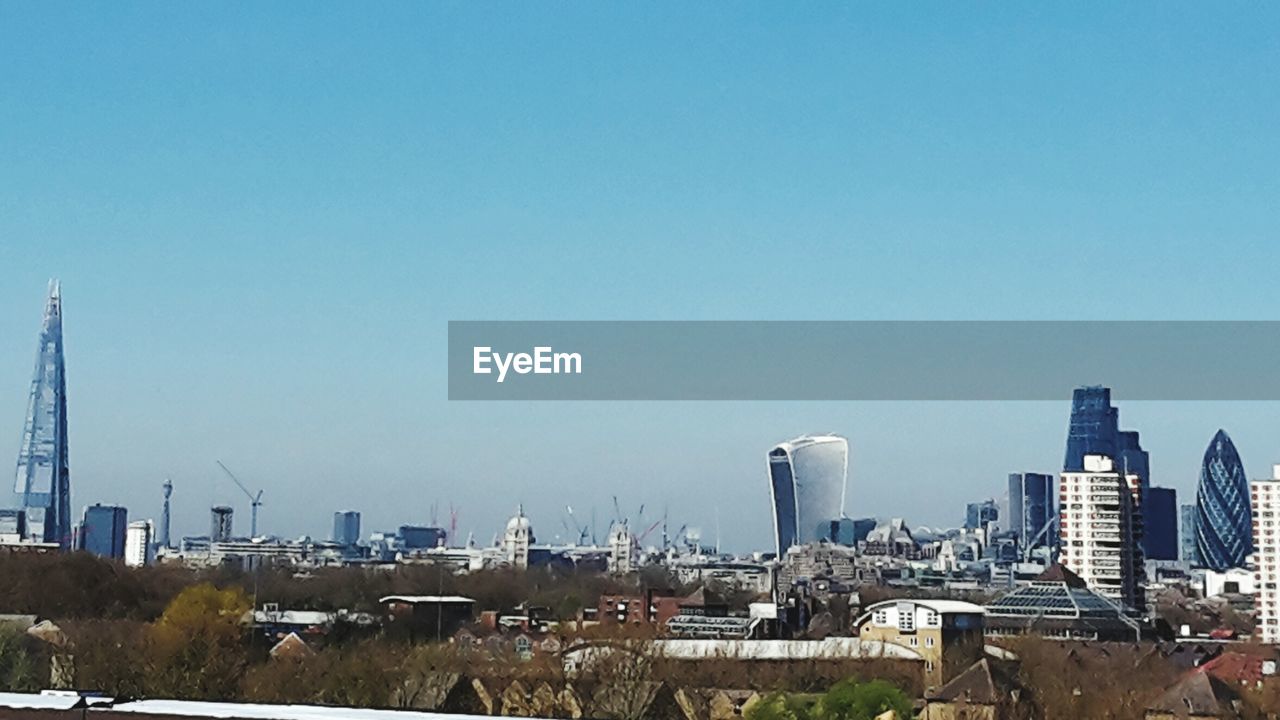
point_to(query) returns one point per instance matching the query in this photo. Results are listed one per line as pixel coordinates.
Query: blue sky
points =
(265, 213)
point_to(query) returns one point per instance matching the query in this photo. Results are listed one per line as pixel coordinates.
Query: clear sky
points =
(264, 214)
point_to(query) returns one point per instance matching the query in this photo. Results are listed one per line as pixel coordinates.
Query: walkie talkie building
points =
(43, 479)
(807, 484)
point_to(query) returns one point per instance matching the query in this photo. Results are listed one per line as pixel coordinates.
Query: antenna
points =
(255, 501)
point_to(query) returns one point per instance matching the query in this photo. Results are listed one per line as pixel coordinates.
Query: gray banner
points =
(861, 360)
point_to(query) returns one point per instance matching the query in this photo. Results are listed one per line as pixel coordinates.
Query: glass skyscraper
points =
(1224, 529)
(1160, 515)
(1093, 429)
(1031, 509)
(807, 486)
(1187, 536)
(346, 528)
(103, 529)
(42, 483)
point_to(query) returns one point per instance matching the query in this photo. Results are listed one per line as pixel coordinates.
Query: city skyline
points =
(1092, 428)
(265, 219)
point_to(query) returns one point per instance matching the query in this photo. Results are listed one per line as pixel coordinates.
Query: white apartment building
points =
(1265, 495)
(138, 547)
(1101, 529)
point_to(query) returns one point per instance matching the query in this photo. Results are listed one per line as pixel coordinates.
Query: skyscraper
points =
(1095, 430)
(1224, 527)
(43, 479)
(1093, 427)
(1099, 540)
(980, 515)
(220, 517)
(1031, 509)
(1266, 540)
(1160, 514)
(102, 532)
(346, 528)
(807, 486)
(1187, 535)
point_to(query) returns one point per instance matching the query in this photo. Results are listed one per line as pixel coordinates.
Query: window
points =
(928, 642)
(881, 617)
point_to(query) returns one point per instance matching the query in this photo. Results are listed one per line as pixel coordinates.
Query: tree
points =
(781, 706)
(18, 664)
(198, 644)
(851, 700)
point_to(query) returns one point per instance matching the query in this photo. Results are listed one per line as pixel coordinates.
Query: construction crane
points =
(255, 501)
(583, 530)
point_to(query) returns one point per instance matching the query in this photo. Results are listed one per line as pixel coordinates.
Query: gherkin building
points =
(1224, 532)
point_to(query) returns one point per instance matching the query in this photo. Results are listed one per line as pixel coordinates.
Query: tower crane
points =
(255, 501)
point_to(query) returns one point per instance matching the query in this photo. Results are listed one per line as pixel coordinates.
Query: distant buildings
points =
(414, 537)
(807, 487)
(102, 531)
(981, 515)
(517, 539)
(1224, 534)
(43, 478)
(139, 549)
(346, 528)
(1099, 537)
(1266, 541)
(1031, 509)
(220, 517)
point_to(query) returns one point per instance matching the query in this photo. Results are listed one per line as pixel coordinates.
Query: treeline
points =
(80, 586)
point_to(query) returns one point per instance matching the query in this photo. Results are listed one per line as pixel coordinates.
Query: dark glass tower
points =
(1161, 524)
(1031, 513)
(1093, 429)
(42, 483)
(1224, 529)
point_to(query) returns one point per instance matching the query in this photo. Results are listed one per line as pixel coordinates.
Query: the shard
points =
(43, 480)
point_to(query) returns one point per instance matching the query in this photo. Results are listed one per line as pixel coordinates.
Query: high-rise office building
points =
(1093, 428)
(1031, 509)
(346, 528)
(220, 517)
(421, 536)
(981, 515)
(1099, 539)
(1224, 532)
(807, 486)
(43, 478)
(1160, 517)
(102, 532)
(1266, 543)
(139, 550)
(1187, 535)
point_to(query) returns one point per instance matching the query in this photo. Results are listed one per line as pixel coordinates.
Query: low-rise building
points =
(947, 634)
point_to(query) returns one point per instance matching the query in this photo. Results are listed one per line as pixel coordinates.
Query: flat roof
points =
(442, 599)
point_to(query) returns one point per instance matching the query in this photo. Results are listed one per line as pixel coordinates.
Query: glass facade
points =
(807, 481)
(346, 528)
(1224, 530)
(1160, 541)
(103, 529)
(1187, 536)
(1093, 429)
(1031, 509)
(42, 483)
